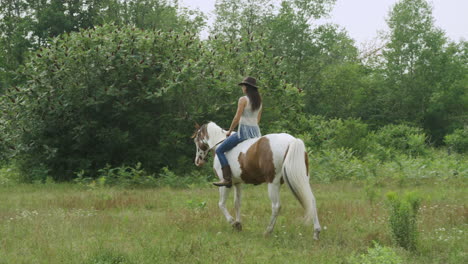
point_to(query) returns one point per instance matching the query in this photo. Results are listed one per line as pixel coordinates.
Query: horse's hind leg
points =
(223, 194)
(273, 193)
(237, 205)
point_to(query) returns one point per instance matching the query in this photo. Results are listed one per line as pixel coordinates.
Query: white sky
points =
(363, 18)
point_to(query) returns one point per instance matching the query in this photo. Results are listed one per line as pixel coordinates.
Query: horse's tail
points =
(296, 176)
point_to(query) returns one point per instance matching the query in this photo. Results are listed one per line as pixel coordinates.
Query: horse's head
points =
(200, 137)
(207, 137)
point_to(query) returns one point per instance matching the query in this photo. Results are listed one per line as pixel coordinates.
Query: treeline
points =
(90, 83)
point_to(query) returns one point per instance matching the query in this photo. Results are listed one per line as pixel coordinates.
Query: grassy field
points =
(61, 223)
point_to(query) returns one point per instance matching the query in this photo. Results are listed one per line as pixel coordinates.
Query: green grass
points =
(61, 223)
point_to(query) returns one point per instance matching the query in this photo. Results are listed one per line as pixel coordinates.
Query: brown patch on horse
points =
(201, 132)
(257, 164)
(204, 132)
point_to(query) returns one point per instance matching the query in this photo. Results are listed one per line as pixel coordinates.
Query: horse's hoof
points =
(237, 226)
(316, 234)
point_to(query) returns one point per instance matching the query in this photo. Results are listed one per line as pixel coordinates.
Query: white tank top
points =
(248, 124)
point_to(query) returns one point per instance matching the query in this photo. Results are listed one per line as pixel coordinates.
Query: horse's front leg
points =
(273, 193)
(223, 194)
(237, 205)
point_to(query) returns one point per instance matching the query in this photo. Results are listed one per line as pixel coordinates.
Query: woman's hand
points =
(229, 133)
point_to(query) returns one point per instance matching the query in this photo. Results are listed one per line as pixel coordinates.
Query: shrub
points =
(376, 255)
(317, 132)
(105, 96)
(403, 216)
(334, 164)
(402, 138)
(458, 140)
(349, 134)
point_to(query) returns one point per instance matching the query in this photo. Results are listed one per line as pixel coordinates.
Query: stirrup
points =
(223, 183)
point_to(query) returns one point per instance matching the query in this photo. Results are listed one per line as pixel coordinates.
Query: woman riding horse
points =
(249, 111)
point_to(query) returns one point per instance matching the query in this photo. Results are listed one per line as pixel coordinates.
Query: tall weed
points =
(403, 216)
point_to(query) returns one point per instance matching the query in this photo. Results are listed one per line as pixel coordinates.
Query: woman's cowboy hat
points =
(249, 81)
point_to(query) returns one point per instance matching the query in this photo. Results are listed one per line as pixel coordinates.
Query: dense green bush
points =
(403, 219)
(402, 138)
(318, 132)
(105, 96)
(349, 134)
(458, 140)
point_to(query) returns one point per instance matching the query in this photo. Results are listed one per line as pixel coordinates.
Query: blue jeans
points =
(227, 145)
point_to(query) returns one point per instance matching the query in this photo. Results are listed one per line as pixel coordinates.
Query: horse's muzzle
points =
(199, 162)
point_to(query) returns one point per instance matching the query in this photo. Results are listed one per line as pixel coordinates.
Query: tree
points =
(15, 26)
(412, 55)
(419, 66)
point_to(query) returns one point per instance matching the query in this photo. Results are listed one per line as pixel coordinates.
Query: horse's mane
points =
(210, 130)
(214, 130)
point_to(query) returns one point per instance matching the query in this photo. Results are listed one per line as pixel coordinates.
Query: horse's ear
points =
(197, 127)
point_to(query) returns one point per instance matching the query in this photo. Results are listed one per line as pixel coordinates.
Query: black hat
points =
(249, 81)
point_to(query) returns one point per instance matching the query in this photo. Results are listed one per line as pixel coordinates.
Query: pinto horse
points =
(272, 159)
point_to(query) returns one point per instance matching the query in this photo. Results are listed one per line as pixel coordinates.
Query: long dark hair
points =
(254, 97)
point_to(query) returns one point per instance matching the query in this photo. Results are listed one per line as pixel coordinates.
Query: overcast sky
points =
(363, 18)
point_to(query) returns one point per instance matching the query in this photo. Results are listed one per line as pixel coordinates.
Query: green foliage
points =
(131, 90)
(349, 133)
(137, 177)
(458, 140)
(125, 176)
(335, 164)
(422, 75)
(318, 132)
(105, 96)
(403, 219)
(402, 138)
(376, 255)
(30, 24)
(170, 179)
(9, 175)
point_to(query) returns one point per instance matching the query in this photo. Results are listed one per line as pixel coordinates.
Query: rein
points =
(217, 144)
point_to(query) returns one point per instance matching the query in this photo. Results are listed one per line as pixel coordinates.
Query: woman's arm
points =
(259, 116)
(240, 109)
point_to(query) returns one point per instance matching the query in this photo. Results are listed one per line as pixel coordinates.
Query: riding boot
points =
(227, 177)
